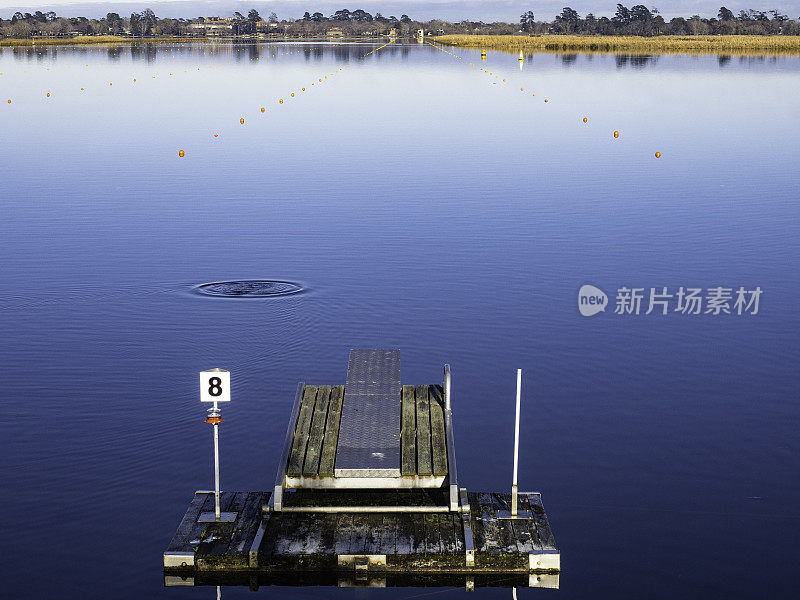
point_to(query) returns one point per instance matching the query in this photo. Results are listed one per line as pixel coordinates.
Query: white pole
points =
(447, 387)
(216, 469)
(516, 447)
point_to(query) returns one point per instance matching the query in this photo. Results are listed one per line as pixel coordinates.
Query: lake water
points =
(423, 204)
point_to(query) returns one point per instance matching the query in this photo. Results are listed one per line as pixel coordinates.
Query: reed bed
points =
(714, 44)
(87, 39)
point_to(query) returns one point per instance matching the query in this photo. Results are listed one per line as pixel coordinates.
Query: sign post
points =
(215, 386)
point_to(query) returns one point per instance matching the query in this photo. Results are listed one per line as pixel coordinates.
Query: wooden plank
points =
(433, 543)
(199, 530)
(180, 541)
(389, 534)
(408, 458)
(438, 441)
(542, 525)
(328, 456)
(217, 535)
(344, 531)
(491, 536)
(301, 430)
(447, 534)
(313, 542)
(507, 540)
(372, 540)
(423, 431)
(317, 431)
(234, 502)
(247, 523)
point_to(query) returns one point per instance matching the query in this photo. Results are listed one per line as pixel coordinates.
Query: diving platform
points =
(366, 484)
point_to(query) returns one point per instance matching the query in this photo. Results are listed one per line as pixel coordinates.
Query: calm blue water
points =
(425, 205)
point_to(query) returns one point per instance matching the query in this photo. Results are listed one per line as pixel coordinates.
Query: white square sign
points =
(215, 386)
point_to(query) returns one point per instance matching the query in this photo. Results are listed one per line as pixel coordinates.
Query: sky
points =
(485, 10)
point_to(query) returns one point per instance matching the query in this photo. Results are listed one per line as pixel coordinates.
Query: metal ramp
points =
(369, 434)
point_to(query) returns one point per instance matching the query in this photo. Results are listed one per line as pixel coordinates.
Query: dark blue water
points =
(425, 205)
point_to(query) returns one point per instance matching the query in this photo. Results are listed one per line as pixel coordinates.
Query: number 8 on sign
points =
(215, 386)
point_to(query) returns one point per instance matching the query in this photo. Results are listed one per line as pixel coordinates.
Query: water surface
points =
(419, 203)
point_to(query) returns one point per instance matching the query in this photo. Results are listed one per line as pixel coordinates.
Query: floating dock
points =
(367, 494)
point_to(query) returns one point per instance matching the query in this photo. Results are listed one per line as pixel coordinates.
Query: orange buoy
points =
(292, 94)
(216, 135)
(304, 89)
(281, 100)
(48, 94)
(585, 119)
(81, 89)
(320, 80)
(241, 121)
(658, 154)
(110, 83)
(263, 109)
(9, 101)
(181, 153)
(134, 80)
(616, 134)
(521, 89)
(545, 99)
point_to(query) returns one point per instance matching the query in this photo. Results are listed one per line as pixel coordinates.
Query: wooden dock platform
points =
(432, 543)
(366, 488)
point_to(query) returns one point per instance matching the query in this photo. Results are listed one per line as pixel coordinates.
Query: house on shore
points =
(212, 26)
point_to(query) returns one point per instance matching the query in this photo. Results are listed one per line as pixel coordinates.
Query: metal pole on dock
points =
(216, 463)
(215, 387)
(516, 447)
(447, 387)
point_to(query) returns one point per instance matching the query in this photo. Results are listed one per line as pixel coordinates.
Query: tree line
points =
(637, 20)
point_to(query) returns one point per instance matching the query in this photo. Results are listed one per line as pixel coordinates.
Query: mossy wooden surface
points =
(412, 542)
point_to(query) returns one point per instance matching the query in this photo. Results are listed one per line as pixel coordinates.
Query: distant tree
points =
(148, 20)
(640, 13)
(778, 16)
(405, 19)
(567, 20)
(361, 16)
(114, 23)
(527, 21)
(622, 17)
(724, 14)
(306, 16)
(273, 17)
(317, 17)
(253, 15)
(341, 15)
(134, 24)
(20, 29)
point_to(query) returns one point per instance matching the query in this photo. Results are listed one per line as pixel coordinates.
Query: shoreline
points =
(696, 44)
(88, 40)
